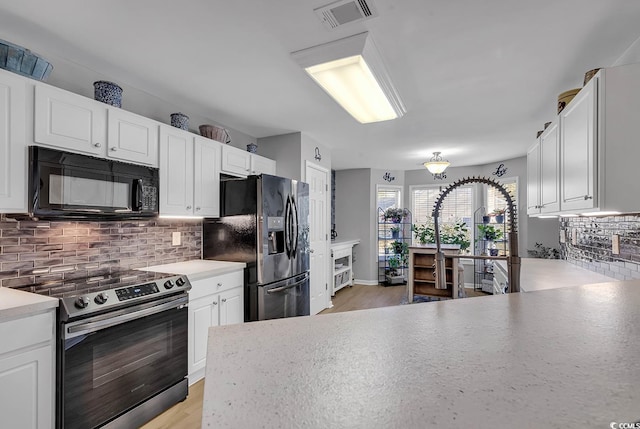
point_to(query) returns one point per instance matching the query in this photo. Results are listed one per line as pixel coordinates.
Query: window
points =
(389, 197)
(495, 199)
(457, 206)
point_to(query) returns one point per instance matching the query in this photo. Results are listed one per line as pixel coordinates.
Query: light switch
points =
(574, 237)
(615, 244)
(175, 238)
(563, 236)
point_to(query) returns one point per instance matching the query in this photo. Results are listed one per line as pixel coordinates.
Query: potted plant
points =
(456, 233)
(490, 234)
(393, 275)
(499, 215)
(395, 231)
(395, 215)
(400, 248)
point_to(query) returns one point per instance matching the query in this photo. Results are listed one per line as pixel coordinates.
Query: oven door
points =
(113, 362)
(286, 298)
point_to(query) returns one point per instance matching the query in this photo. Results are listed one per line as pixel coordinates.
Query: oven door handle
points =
(280, 289)
(89, 327)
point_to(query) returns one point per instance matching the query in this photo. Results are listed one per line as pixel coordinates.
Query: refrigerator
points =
(264, 222)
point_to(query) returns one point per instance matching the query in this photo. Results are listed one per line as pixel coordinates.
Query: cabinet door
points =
(69, 121)
(260, 164)
(235, 161)
(549, 170)
(578, 151)
(13, 148)
(206, 186)
(232, 306)
(203, 313)
(176, 172)
(132, 138)
(533, 180)
(26, 390)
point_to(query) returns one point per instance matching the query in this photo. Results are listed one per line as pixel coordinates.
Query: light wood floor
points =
(188, 414)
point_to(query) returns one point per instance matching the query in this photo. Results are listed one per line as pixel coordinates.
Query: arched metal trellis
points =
(513, 260)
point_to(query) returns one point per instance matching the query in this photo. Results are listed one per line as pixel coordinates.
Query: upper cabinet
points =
(533, 179)
(13, 152)
(189, 174)
(241, 163)
(72, 122)
(596, 140)
(69, 121)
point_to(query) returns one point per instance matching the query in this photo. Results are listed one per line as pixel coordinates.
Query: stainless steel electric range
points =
(122, 348)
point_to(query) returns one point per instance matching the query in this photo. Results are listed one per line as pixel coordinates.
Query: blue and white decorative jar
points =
(252, 147)
(180, 120)
(108, 92)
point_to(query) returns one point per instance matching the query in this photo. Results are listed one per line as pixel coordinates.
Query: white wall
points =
(631, 55)
(285, 149)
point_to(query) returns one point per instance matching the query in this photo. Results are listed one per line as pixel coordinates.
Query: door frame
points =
(327, 247)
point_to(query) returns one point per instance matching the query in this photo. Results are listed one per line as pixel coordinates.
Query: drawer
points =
(211, 285)
(26, 331)
(341, 253)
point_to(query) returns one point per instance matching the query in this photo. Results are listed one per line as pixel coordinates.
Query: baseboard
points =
(366, 282)
(469, 285)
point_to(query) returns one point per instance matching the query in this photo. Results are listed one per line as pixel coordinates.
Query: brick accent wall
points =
(44, 251)
(593, 249)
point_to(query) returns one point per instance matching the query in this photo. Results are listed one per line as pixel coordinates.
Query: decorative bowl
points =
(566, 97)
(108, 92)
(22, 61)
(180, 120)
(588, 75)
(215, 133)
(252, 147)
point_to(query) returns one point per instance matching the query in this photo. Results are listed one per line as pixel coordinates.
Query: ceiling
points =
(478, 78)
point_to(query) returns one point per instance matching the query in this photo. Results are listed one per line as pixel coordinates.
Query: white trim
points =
(366, 282)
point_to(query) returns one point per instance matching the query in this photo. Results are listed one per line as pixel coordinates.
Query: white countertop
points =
(557, 358)
(198, 269)
(541, 274)
(345, 243)
(17, 303)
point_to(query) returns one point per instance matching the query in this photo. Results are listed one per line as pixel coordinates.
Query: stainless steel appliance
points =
(122, 349)
(264, 223)
(69, 185)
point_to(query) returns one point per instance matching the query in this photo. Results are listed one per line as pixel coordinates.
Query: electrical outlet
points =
(615, 244)
(574, 237)
(175, 238)
(563, 236)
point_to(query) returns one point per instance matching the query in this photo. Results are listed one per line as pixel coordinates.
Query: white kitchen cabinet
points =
(241, 163)
(533, 179)
(13, 147)
(27, 374)
(69, 121)
(579, 150)
(132, 138)
(189, 175)
(550, 170)
(213, 301)
(342, 263)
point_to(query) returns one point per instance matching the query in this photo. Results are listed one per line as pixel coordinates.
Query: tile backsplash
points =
(593, 244)
(46, 251)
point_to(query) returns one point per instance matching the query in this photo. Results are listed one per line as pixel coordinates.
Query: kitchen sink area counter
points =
(540, 274)
(198, 269)
(553, 359)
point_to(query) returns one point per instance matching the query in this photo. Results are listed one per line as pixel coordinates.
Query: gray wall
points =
(353, 218)
(285, 149)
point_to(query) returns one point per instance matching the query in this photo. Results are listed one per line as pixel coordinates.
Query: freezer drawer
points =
(286, 298)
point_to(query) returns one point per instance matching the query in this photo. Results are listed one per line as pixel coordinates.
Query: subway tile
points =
(47, 262)
(61, 239)
(32, 256)
(34, 240)
(63, 253)
(9, 241)
(10, 257)
(76, 260)
(75, 231)
(18, 249)
(22, 281)
(8, 274)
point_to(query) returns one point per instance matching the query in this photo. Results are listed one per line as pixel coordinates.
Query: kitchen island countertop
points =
(557, 358)
(17, 303)
(198, 269)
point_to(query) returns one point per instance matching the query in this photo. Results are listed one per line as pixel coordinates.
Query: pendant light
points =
(436, 166)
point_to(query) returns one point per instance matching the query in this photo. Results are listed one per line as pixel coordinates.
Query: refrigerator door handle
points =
(287, 237)
(294, 217)
(280, 289)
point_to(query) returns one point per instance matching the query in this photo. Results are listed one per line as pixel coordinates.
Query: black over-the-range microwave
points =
(73, 186)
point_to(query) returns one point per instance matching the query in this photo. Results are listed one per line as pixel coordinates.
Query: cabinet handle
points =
(215, 302)
(588, 197)
(98, 144)
(219, 284)
(311, 251)
(188, 207)
(197, 208)
(224, 299)
(113, 149)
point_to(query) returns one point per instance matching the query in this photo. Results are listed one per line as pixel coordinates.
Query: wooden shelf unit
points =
(422, 273)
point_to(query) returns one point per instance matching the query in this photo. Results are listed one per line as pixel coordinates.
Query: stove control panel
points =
(136, 291)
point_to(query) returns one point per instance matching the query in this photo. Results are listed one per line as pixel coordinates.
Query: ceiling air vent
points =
(345, 11)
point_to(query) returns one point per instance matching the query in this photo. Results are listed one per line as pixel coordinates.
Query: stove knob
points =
(180, 281)
(101, 298)
(82, 302)
(168, 284)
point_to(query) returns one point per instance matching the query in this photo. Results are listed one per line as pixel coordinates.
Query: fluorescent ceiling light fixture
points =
(352, 72)
(436, 165)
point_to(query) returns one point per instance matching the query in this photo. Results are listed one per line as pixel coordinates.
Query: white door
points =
(318, 179)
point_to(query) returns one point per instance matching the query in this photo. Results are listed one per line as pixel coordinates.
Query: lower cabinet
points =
(422, 273)
(214, 301)
(27, 372)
